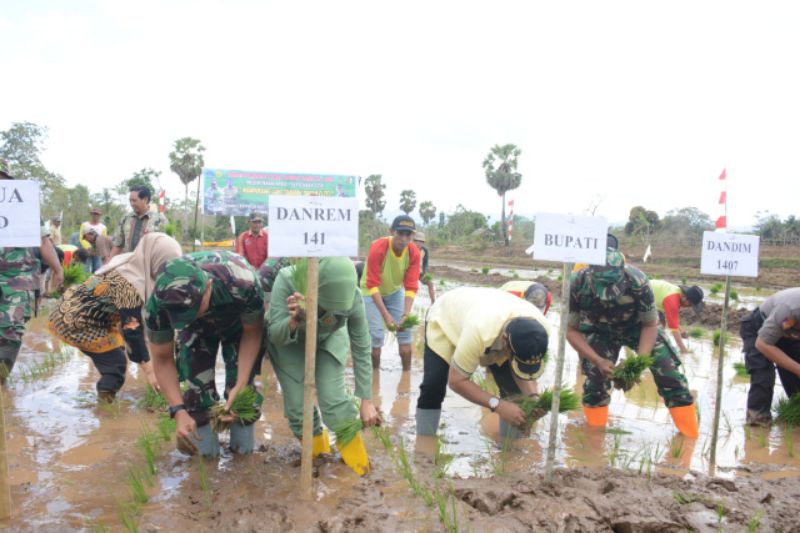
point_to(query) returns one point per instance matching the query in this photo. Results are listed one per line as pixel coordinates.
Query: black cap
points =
(254, 216)
(695, 296)
(527, 340)
(404, 223)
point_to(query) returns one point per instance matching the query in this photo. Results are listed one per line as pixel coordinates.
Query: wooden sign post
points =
(726, 254)
(313, 227)
(567, 239)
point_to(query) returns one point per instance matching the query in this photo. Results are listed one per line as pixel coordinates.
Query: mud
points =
(711, 317)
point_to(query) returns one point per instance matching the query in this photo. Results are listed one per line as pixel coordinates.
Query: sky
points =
(613, 104)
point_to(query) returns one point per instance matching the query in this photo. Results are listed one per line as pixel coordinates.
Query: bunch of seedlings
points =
(74, 275)
(244, 409)
(152, 401)
(408, 322)
(427, 278)
(788, 410)
(535, 407)
(347, 431)
(741, 369)
(629, 372)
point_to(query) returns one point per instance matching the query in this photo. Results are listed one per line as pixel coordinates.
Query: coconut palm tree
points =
(501, 174)
(186, 160)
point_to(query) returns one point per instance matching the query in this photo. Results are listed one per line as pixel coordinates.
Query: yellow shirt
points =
(465, 324)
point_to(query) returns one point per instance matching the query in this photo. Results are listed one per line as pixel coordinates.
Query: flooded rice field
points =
(77, 466)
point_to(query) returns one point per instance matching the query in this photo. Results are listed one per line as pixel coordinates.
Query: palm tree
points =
(408, 201)
(501, 174)
(186, 160)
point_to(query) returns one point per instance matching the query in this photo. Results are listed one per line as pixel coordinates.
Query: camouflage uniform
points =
(19, 278)
(608, 305)
(237, 298)
(150, 222)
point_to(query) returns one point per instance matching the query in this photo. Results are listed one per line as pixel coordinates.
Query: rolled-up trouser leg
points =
(432, 391)
(242, 438)
(596, 387)
(112, 366)
(761, 370)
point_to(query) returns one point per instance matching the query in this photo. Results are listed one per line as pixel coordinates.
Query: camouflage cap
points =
(179, 289)
(5, 168)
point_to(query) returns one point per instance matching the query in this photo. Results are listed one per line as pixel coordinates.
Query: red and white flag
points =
(161, 200)
(722, 219)
(510, 220)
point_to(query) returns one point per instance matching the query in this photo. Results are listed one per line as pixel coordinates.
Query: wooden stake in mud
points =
(5, 491)
(309, 387)
(723, 332)
(562, 339)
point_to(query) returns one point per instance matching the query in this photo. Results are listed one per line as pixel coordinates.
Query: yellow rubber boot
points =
(596, 416)
(685, 418)
(320, 444)
(354, 455)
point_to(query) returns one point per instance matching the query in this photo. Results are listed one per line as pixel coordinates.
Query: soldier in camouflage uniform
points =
(613, 306)
(212, 299)
(20, 273)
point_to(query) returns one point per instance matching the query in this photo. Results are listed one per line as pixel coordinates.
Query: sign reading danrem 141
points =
(238, 192)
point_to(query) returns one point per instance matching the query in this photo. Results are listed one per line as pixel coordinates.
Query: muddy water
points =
(69, 459)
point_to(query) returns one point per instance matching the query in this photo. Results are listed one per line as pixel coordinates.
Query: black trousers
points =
(433, 388)
(112, 365)
(762, 370)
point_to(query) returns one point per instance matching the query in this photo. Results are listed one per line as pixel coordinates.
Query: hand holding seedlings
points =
(629, 372)
(369, 415)
(185, 431)
(605, 366)
(511, 413)
(297, 309)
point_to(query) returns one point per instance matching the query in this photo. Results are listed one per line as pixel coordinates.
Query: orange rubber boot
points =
(596, 416)
(685, 418)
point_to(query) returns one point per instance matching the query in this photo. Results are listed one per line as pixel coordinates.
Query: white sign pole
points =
(728, 254)
(20, 222)
(567, 239)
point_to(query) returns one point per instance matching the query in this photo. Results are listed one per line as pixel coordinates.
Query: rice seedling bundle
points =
(788, 410)
(408, 322)
(629, 372)
(74, 275)
(427, 278)
(347, 431)
(244, 408)
(535, 407)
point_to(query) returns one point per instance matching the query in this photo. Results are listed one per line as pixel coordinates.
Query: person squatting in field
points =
(669, 301)
(102, 317)
(532, 291)
(469, 327)
(389, 286)
(419, 240)
(770, 338)
(341, 325)
(212, 299)
(20, 278)
(612, 306)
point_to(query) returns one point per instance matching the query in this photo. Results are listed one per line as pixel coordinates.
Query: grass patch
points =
(152, 401)
(717, 337)
(629, 372)
(74, 275)
(485, 270)
(788, 410)
(715, 288)
(697, 332)
(741, 370)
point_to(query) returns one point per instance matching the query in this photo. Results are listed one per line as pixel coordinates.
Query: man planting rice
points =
(470, 327)
(612, 306)
(669, 301)
(212, 299)
(532, 291)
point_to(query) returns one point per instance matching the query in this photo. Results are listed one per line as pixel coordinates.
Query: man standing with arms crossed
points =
(138, 222)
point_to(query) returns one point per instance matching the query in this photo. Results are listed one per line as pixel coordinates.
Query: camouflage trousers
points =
(15, 310)
(196, 361)
(670, 381)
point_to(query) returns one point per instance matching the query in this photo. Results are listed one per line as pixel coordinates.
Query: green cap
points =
(179, 290)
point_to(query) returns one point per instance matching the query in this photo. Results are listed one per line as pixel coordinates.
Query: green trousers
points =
(336, 405)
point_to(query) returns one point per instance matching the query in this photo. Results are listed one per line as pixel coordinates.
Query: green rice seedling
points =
(685, 498)
(408, 322)
(136, 486)
(613, 454)
(717, 337)
(165, 427)
(697, 332)
(788, 440)
(499, 462)
(347, 431)
(788, 410)
(74, 275)
(147, 443)
(152, 401)
(629, 372)
(441, 459)
(99, 527)
(128, 513)
(754, 524)
(244, 407)
(683, 281)
(300, 276)
(715, 288)
(741, 370)
(676, 447)
(734, 295)
(427, 278)
(762, 437)
(427, 496)
(485, 270)
(203, 477)
(442, 282)
(382, 435)
(721, 512)
(112, 408)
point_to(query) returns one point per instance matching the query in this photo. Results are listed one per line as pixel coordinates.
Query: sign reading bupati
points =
(729, 254)
(20, 225)
(569, 239)
(238, 192)
(312, 226)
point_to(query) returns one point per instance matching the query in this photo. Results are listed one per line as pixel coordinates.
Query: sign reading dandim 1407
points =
(729, 254)
(313, 226)
(20, 225)
(569, 239)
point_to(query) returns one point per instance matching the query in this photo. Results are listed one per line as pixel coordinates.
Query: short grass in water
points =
(347, 431)
(629, 372)
(243, 407)
(788, 410)
(741, 370)
(697, 332)
(718, 336)
(152, 400)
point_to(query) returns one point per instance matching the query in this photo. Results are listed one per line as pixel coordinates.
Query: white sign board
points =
(570, 239)
(729, 254)
(20, 224)
(313, 226)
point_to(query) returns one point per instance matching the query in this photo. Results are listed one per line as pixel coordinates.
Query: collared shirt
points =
(782, 312)
(386, 272)
(253, 247)
(127, 236)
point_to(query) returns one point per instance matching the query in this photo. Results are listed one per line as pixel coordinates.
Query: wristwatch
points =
(494, 401)
(173, 409)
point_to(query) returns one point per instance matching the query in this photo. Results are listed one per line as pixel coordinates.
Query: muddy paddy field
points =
(75, 466)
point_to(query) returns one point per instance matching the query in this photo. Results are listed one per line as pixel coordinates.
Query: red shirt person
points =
(252, 244)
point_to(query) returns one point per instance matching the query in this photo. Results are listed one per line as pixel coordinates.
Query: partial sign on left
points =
(20, 223)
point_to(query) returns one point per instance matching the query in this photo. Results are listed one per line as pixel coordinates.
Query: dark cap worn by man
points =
(527, 342)
(695, 296)
(404, 223)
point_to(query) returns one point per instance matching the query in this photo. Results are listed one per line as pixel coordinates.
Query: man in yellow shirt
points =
(472, 326)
